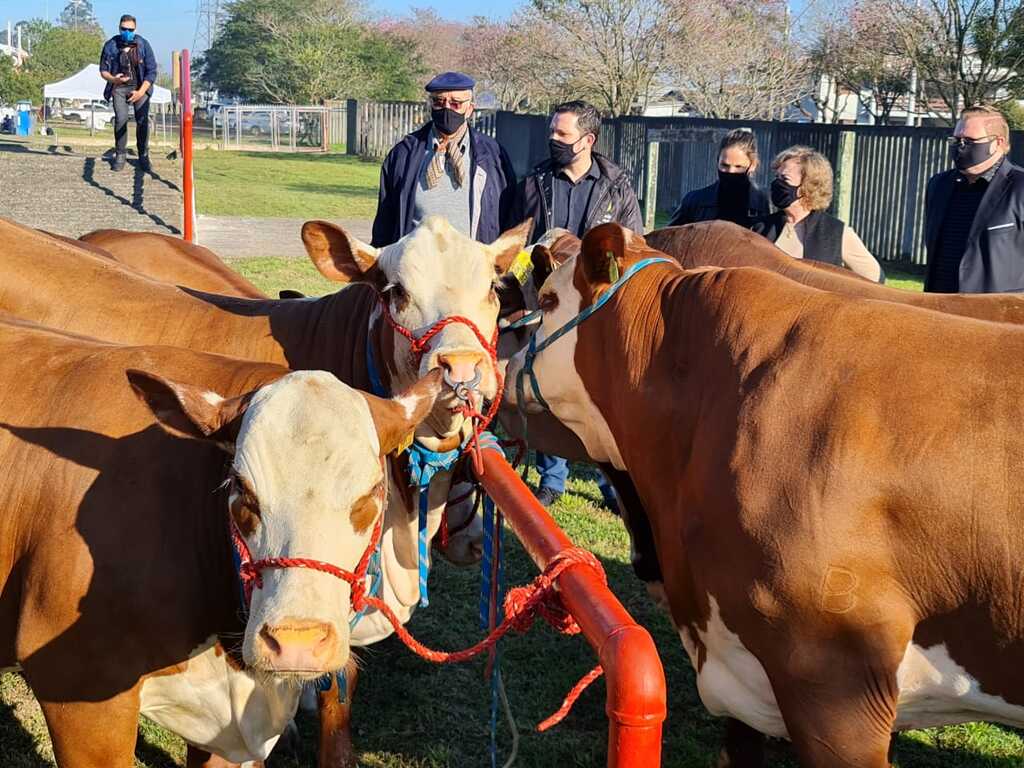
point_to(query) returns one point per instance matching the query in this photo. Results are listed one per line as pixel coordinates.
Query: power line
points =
(208, 21)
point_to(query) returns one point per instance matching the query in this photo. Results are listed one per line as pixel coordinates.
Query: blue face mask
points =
(127, 35)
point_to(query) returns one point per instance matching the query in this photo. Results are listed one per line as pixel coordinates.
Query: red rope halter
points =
(419, 344)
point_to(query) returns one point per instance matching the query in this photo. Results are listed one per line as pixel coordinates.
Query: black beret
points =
(451, 81)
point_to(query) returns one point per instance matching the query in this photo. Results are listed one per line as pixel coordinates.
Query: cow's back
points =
(723, 244)
(56, 284)
(172, 260)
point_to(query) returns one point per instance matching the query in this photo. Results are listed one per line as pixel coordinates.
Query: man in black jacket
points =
(128, 65)
(574, 189)
(446, 169)
(974, 213)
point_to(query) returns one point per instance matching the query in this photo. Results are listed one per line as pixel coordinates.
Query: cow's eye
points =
(548, 302)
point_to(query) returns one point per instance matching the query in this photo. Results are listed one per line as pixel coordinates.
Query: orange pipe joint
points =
(634, 677)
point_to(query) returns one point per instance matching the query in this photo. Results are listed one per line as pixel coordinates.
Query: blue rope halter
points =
(535, 349)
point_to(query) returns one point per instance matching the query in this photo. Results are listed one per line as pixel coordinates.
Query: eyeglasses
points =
(455, 104)
(962, 141)
(127, 29)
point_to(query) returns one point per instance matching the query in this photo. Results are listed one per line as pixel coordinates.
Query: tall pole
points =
(188, 226)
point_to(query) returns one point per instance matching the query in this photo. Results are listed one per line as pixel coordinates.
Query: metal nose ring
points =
(462, 389)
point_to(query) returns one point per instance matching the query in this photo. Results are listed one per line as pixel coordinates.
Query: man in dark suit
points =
(974, 213)
(446, 169)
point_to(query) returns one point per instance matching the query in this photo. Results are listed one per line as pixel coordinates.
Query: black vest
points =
(823, 235)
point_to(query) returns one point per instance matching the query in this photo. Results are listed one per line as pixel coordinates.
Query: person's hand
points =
(122, 77)
(135, 95)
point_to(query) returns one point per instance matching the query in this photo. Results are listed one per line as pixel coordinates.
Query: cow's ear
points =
(603, 254)
(339, 256)
(552, 252)
(509, 245)
(188, 411)
(396, 419)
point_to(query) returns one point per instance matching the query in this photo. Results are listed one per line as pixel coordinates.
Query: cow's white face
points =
(306, 482)
(433, 273)
(555, 370)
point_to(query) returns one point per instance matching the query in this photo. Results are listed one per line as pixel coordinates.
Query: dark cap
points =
(451, 81)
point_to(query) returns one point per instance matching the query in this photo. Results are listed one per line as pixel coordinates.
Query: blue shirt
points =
(570, 200)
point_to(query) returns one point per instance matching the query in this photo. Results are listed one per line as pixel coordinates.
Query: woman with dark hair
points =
(801, 193)
(734, 197)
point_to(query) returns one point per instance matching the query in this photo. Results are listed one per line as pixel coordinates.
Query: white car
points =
(99, 112)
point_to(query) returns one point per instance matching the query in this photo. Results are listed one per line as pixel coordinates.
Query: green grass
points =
(411, 714)
(306, 186)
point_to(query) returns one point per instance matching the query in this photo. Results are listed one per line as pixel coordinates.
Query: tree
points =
(518, 61)
(966, 51)
(302, 52)
(79, 16)
(738, 59)
(860, 51)
(611, 51)
(440, 44)
(57, 53)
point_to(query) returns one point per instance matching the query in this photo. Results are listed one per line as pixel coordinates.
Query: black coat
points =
(994, 259)
(702, 205)
(401, 172)
(612, 199)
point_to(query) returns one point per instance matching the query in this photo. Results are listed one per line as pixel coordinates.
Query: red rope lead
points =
(570, 699)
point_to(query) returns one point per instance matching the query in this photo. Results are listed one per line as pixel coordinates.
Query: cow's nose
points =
(461, 367)
(297, 645)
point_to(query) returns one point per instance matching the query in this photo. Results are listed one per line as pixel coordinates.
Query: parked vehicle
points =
(99, 112)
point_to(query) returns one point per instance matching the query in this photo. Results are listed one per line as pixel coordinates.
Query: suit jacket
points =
(492, 184)
(994, 259)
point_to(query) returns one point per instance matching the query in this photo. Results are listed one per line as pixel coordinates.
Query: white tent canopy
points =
(88, 84)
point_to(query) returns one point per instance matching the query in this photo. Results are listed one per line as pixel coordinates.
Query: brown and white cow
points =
(838, 514)
(431, 274)
(120, 595)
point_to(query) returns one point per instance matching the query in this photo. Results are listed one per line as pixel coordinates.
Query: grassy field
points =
(411, 714)
(309, 186)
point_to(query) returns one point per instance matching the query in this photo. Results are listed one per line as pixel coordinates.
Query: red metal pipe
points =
(186, 148)
(635, 679)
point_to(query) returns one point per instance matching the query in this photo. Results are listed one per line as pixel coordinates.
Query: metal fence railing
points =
(272, 127)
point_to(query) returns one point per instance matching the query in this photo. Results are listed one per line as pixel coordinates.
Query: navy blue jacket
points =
(994, 259)
(400, 174)
(110, 61)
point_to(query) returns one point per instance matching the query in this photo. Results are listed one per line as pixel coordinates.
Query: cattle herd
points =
(821, 476)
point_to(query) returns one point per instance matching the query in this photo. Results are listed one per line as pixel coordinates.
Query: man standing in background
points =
(128, 65)
(973, 230)
(446, 169)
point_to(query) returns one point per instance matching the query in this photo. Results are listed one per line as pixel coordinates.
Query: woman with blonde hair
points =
(802, 191)
(734, 196)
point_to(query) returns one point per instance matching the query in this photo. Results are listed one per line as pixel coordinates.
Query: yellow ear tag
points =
(521, 267)
(404, 445)
(613, 267)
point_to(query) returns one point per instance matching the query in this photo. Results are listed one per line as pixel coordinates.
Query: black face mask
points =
(784, 194)
(447, 121)
(733, 186)
(561, 153)
(970, 155)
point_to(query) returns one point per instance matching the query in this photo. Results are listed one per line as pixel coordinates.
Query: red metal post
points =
(188, 226)
(633, 673)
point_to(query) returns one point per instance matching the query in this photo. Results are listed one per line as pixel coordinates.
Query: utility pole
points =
(208, 21)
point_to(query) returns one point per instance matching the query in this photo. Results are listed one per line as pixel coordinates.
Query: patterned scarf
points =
(448, 148)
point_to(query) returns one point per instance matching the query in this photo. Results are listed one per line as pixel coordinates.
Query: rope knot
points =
(541, 597)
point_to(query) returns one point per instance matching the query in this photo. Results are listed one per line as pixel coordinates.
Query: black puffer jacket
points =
(613, 199)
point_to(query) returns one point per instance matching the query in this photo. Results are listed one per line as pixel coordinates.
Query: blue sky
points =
(170, 24)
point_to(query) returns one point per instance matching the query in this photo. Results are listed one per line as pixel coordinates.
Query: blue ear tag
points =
(613, 268)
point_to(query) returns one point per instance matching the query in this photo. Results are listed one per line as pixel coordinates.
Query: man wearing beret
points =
(446, 169)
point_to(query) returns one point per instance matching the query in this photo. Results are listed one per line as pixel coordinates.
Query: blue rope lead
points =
(423, 465)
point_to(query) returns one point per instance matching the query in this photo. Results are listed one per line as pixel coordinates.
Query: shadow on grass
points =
(333, 158)
(350, 190)
(17, 746)
(151, 755)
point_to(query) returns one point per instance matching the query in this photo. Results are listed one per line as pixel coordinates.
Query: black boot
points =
(118, 164)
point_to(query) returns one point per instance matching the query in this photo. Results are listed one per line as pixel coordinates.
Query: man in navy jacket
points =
(974, 213)
(448, 169)
(128, 65)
